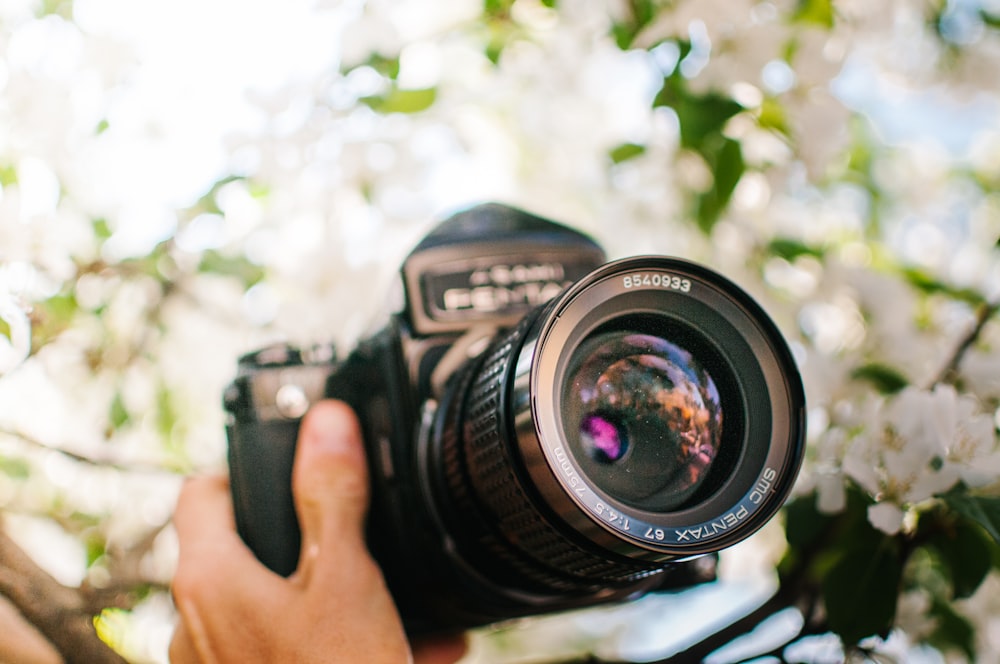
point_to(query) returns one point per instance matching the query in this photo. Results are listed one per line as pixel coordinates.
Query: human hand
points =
(334, 608)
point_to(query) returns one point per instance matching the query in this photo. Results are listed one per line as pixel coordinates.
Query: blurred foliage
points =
(877, 254)
(702, 119)
(858, 572)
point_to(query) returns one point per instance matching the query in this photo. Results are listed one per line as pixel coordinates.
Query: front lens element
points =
(642, 417)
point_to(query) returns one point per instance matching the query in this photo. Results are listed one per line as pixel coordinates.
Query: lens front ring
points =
(764, 440)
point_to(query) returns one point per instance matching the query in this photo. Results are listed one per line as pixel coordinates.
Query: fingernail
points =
(332, 427)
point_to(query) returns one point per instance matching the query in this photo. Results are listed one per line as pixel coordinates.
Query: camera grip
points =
(261, 455)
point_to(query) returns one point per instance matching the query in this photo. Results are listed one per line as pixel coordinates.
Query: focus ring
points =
(493, 472)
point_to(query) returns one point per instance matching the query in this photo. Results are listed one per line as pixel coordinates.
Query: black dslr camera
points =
(544, 431)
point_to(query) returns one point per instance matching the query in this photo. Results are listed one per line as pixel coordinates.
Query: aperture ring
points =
(524, 525)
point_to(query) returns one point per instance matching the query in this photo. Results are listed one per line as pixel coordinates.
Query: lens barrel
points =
(650, 413)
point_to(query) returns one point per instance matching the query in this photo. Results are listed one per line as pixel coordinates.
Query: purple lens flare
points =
(602, 439)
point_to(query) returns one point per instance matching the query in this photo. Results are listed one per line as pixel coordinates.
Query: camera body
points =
(544, 431)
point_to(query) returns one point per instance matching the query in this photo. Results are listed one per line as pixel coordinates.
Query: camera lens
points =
(649, 413)
(642, 417)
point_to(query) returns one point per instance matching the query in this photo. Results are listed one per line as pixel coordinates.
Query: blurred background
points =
(181, 182)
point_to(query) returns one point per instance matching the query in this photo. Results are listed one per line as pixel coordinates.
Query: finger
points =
(330, 481)
(204, 518)
(212, 560)
(223, 594)
(182, 649)
(439, 650)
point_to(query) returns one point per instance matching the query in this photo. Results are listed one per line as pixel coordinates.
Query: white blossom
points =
(917, 445)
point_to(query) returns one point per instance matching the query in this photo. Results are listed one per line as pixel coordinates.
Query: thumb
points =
(329, 481)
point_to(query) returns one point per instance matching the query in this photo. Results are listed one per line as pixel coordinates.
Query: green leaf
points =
(96, 547)
(63, 8)
(641, 14)
(700, 116)
(966, 554)
(952, 630)
(772, 116)
(102, 231)
(804, 524)
(239, 267)
(497, 8)
(400, 100)
(815, 12)
(983, 510)
(17, 469)
(114, 627)
(932, 286)
(882, 377)
(818, 540)
(727, 167)
(118, 415)
(790, 249)
(626, 151)
(387, 66)
(8, 175)
(702, 119)
(860, 591)
(494, 49)
(51, 317)
(167, 415)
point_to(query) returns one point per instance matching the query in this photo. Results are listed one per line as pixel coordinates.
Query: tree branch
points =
(127, 576)
(19, 640)
(57, 611)
(697, 652)
(108, 462)
(949, 372)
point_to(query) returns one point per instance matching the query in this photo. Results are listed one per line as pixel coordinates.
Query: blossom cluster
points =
(918, 445)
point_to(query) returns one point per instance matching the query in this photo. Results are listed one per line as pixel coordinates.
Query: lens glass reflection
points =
(602, 438)
(642, 417)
